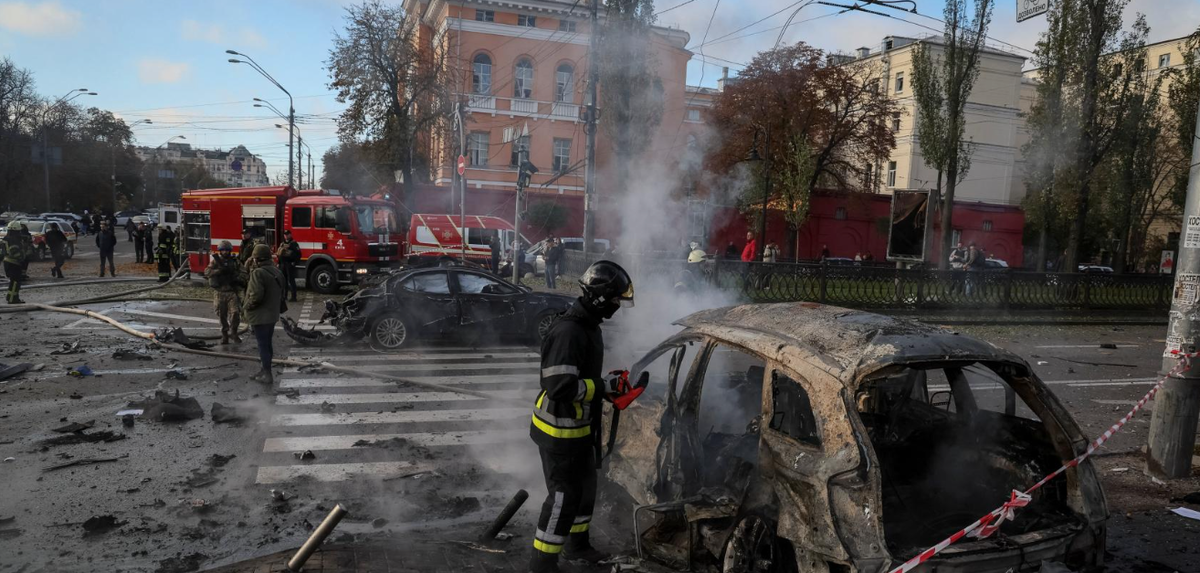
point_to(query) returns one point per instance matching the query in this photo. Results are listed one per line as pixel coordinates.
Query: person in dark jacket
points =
(56, 240)
(554, 253)
(289, 256)
(106, 241)
(246, 249)
(494, 243)
(148, 245)
(732, 252)
(130, 227)
(262, 306)
(140, 242)
(15, 253)
(566, 417)
(162, 255)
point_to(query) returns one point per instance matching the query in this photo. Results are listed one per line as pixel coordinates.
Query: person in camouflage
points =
(228, 278)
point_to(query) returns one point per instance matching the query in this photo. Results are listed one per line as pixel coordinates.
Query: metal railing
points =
(880, 287)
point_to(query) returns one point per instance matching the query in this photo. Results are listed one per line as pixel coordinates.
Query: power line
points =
(664, 11)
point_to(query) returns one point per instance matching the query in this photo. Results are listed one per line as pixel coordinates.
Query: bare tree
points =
(395, 88)
(942, 83)
(19, 103)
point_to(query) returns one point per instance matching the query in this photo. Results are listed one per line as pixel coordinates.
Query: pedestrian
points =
(106, 241)
(262, 306)
(957, 255)
(567, 414)
(247, 247)
(56, 240)
(289, 257)
(824, 253)
(148, 245)
(731, 251)
(494, 243)
(554, 252)
(228, 279)
(15, 254)
(750, 251)
(771, 253)
(519, 257)
(162, 255)
(96, 223)
(139, 242)
(129, 228)
(85, 222)
(972, 261)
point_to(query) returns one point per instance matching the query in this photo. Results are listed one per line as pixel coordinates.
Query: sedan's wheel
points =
(544, 322)
(751, 548)
(390, 332)
(70, 250)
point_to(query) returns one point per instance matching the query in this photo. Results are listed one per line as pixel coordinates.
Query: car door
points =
(427, 300)
(807, 440)
(488, 303)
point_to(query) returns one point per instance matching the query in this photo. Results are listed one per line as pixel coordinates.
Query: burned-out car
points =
(403, 306)
(804, 437)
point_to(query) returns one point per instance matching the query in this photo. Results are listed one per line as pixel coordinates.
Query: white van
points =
(169, 216)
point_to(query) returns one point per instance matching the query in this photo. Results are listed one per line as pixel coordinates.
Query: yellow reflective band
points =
(540, 397)
(591, 389)
(578, 410)
(546, 547)
(559, 432)
(580, 527)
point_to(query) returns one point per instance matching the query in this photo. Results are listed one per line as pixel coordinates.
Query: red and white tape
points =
(988, 524)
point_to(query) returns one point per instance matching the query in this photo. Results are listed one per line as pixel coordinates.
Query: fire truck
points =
(438, 235)
(342, 239)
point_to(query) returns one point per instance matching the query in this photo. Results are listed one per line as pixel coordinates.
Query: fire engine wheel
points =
(323, 279)
(752, 548)
(390, 331)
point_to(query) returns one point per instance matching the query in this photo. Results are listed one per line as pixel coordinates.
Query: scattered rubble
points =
(81, 437)
(305, 455)
(83, 462)
(74, 427)
(225, 414)
(181, 563)
(123, 354)
(7, 371)
(167, 408)
(219, 461)
(100, 524)
(176, 375)
(80, 371)
(67, 348)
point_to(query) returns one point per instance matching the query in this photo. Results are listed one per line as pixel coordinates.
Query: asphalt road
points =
(400, 458)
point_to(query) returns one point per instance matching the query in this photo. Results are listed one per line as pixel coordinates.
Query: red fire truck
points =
(437, 235)
(342, 239)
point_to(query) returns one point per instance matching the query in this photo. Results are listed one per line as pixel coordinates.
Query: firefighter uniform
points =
(178, 249)
(566, 418)
(162, 254)
(16, 256)
(228, 278)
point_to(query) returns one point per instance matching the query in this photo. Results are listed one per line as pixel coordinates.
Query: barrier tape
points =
(990, 523)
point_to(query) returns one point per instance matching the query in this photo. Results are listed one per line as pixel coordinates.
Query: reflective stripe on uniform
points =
(547, 547)
(562, 433)
(549, 537)
(560, 370)
(580, 527)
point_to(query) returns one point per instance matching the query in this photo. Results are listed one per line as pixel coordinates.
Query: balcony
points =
(518, 107)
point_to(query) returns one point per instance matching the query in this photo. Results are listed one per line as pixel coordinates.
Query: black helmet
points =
(605, 283)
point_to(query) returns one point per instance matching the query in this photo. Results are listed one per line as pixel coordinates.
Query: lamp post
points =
(157, 164)
(112, 152)
(291, 104)
(66, 98)
(300, 145)
(755, 159)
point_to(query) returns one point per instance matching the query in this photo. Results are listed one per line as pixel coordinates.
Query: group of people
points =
(552, 254)
(251, 288)
(168, 254)
(749, 253)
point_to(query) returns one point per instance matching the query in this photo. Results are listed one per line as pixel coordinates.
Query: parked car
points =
(1095, 269)
(65, 216)
(38, 227)
(805, 437)
(418, 303)
(123, 217)
(7, 216)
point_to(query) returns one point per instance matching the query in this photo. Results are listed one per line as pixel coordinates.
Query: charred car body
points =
(805, 437)
(398, 308)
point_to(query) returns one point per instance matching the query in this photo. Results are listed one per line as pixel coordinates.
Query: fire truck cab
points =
(342, 239)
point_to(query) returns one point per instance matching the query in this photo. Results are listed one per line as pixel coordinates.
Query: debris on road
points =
(219, 461)
(225, 414)
(80, 371)
(177, 336)
(1188, 513)
(280, 495)
(10, 533)
(181, 564)
(176, 375)
(305, 455)
(167, 408)
(100, 524)
(123, 354)
(1108, 345)
(67, 348)
(84, 462)
(326, 407)
(74, 427)
(81, 438)
(7, 371)
(378, 522)
(127, 420)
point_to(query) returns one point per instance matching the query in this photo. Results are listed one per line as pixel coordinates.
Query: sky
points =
(166, 61)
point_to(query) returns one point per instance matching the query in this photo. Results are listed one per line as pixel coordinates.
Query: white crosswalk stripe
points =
(370, 428)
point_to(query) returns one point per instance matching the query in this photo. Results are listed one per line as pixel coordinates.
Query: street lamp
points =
(66, 98)
(291, 104)
(157, 164)
(754, 158)
(299, 155)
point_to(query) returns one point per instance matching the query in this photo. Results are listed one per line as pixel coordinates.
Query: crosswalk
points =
(363, 428)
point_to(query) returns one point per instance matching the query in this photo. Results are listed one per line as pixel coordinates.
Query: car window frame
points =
(768, 406)
(450, 285)
(459, 272)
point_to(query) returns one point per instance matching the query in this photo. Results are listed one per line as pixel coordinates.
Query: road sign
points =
(1027, 9)
(462, 165)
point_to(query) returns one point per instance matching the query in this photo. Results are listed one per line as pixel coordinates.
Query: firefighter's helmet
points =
(696, 256)
(606, 285)
(225, 247)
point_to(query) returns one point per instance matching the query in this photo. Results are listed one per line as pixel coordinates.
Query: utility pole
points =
(299, 161)
(525, 171)
(462, 181)
(1172, 439)
(589, 128)
(112, 156)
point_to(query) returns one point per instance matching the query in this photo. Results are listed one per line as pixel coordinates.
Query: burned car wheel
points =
(390, 331)
(751, 548)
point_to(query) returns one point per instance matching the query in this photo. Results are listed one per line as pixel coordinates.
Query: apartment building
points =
(237, 167)
(520, 70)
(992, 122)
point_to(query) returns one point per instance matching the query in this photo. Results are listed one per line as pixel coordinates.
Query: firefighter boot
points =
(579, 548)
(544, 563)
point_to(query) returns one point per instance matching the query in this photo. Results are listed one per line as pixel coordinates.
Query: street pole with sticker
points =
(1172, 439)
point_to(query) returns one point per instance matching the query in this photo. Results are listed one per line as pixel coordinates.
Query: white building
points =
(236, 167)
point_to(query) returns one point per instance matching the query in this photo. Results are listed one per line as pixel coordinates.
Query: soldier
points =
(247, 247)
(162, 254)
(289, 255)
(228, 278)
(262, 306)
(15, 256)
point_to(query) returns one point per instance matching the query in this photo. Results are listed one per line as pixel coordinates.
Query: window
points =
(839, 213)
(481, 237)
(485, 16)
(891, 174)
(301, 217)
(481, 74)
(469, 283)
(519, 144)
(869, 176)
(956, 236)
(564, 83)
(562, 155)
(523, 79)
(693, 114)
(896, 122)
(566, 26)
(899, 82)
(1164, 60)
(987, 225)
(477, 148)
(434, 283)
(791, 412)
(527, 21)
(333, 218)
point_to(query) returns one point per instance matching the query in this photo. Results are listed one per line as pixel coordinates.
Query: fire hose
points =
(990, 523)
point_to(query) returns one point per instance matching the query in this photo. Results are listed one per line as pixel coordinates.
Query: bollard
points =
(501, 520)
(314, 541)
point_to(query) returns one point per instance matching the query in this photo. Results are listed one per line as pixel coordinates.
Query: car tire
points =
(323, 279)
(541, 326)
(527, 270)
(70, 250)
(391, 331)
(753, 548)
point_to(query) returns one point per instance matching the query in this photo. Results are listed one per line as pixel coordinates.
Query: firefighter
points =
(15, 256)
(228, 278)
(167, 236)
(289, 254)
(162, 254)
(566, 417)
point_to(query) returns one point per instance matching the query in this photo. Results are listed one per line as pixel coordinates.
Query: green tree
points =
(1184, 98)
(943, 75)
(394, 86)
(548, 216)
(350, 167)
(630, 91)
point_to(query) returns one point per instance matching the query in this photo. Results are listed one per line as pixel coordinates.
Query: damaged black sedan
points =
(420, 303)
